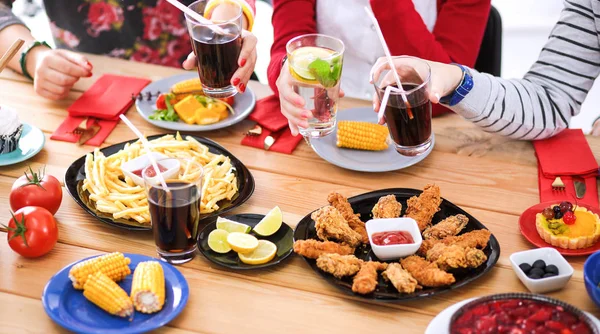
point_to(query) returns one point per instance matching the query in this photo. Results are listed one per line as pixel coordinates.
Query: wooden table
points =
(492, 178)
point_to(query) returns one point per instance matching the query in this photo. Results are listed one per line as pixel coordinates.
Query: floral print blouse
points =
(150, 31)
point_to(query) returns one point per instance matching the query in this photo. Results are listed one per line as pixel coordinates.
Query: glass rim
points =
(412, 90)
(333, 55)
(237, 17)
(160, 186)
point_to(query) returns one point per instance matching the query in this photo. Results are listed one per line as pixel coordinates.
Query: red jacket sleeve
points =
(457, 35)
(291, 18)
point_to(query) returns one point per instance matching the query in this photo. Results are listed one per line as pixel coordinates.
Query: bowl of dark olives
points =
(542, 269)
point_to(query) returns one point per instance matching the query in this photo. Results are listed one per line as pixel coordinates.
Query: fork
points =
(84, 132)
(558, 184)
(255, 131)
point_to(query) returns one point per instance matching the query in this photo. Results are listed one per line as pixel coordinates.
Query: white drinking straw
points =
(384, 100)
(197, 16)
(388, 55)
(148, 151)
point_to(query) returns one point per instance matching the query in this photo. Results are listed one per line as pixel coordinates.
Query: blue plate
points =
(363, 161)
(242, 105)
(69, 308)
(31, 143)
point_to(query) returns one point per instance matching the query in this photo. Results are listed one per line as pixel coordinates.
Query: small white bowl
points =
(143, 161)
(394, 252)
(550, 256)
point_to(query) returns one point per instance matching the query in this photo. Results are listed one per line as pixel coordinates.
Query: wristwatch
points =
(463, 88)
(24, 56)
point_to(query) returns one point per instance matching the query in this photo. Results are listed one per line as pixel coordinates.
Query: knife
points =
(579, 189)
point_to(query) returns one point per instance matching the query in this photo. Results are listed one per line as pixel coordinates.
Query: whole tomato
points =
(32, 231)
(36, 189)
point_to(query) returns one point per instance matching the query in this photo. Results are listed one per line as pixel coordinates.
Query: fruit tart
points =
(566, 226)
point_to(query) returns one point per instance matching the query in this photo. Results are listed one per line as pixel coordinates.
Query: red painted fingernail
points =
(90, 64)
(89, 75)
(242, 62)
(236, 81)
(242, 87)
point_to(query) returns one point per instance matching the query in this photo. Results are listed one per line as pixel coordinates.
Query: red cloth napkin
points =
(567, 155)
(267, 114)
(103, 102)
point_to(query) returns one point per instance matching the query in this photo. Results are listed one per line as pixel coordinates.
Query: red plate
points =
(529, 231)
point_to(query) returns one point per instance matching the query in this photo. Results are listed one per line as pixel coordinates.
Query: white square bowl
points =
(550, 256)
(394, 252)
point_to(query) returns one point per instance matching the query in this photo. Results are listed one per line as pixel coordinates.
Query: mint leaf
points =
(326, 74)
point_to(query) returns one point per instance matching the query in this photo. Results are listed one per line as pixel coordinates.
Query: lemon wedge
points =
(264, 253)
(242, 242)
(232, 226)
(217, 241)
(270, 224)
(301, 58)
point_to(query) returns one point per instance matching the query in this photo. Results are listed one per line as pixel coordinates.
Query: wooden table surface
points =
(492, 178)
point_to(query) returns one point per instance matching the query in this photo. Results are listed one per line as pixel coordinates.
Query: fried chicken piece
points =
(423, 208)
(474, 239)
(312, 248)
(340, 202)
(453, 256)
(339, 265)
(447, 227)
(387, 207)
(426, 273)
(400, 278)
(365, 280)
(330, 224)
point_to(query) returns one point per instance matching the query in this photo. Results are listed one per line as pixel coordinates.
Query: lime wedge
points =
(264, 253)
(301, 58)
(270, 223)
(242, 242)
(231, 226)
(217, 241)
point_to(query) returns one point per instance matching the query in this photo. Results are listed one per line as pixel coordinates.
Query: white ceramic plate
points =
(243, 106)
(440, 324)
(363, 161)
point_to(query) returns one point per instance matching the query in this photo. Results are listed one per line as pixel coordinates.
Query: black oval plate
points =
(385, 291)
(283, 239)
(76, 174)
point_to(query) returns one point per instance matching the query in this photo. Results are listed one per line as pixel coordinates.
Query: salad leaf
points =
(168, 114)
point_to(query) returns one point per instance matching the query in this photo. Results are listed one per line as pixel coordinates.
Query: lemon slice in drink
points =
(270, 223)
(301, 58)
(242, 242)
(264, 253)
(232, 226)
(217, 241)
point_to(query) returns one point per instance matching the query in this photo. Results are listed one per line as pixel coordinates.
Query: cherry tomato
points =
(160, 102)
(32, 231)
(36, 189)
(228, 100)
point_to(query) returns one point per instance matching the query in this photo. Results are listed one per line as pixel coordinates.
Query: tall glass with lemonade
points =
(315, 63)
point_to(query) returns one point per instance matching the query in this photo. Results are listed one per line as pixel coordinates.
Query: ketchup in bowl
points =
(392, 238)
(151, 171)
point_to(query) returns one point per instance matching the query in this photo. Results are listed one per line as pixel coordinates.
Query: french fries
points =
(118, 195)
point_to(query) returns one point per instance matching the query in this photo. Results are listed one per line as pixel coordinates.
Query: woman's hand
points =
(444, 78)
(56, 71)
(246, 62)
(292, 104)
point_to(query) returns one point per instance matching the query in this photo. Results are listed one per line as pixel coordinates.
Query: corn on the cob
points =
(148, 287)
(187, 86)
(114, 265)
(106, 294)
(362, 135)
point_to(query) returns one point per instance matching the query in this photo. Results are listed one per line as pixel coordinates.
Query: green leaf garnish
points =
(326, 74)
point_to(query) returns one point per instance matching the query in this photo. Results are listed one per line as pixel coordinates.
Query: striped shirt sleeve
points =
(7, 17)
(541, 104)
